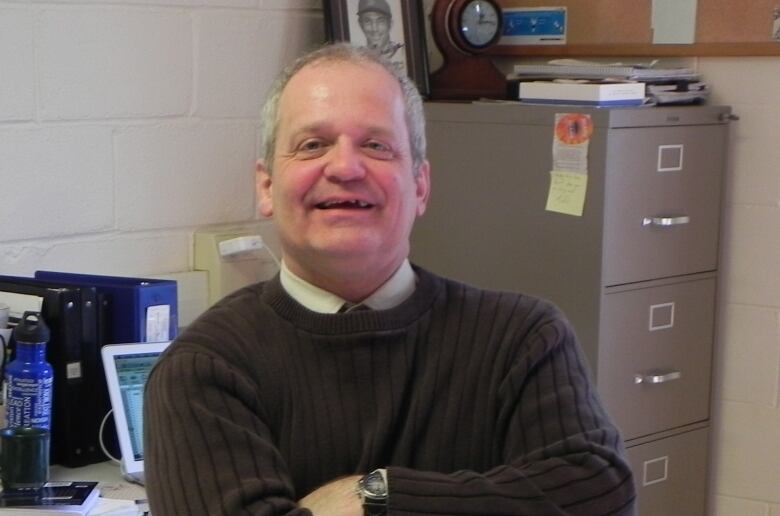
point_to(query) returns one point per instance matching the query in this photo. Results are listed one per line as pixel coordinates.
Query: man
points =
(375, 19)
(353, 382)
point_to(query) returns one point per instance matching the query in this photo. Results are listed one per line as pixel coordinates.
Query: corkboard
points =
(729, 21)
(623, 27)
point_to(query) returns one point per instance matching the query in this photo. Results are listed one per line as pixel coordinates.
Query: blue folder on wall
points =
(142, 309)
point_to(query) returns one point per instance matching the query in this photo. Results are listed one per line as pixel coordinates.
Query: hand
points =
(337, 498)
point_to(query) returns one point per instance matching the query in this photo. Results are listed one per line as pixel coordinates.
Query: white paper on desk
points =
(114, 507)
(21, 303)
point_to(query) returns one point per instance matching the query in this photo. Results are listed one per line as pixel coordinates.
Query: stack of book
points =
(586, 70)
(678, 93)
(661, 85)
(53, 499)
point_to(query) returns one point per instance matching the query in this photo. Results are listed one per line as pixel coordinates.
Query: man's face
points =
(376, 27)
(341, 190)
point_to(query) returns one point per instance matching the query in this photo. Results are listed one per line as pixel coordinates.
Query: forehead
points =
(373, 16)
(340, 91)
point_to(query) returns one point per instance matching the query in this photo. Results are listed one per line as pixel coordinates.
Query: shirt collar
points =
(392, 293)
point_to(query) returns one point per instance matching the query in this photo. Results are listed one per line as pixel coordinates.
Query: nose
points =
(371, 26)
(345, 163)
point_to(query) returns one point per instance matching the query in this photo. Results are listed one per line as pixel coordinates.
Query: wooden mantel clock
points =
(463, 29)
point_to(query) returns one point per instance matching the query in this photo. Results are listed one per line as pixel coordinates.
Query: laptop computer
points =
(127, 367)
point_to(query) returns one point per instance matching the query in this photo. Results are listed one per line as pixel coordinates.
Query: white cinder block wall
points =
(125, 125)
(746, 453)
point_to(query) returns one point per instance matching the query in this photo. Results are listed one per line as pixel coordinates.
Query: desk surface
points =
(109, 477)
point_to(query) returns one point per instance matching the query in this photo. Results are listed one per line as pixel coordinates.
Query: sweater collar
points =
(398, 317)
(392, 293)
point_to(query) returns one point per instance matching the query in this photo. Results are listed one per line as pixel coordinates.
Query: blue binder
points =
(142, 309)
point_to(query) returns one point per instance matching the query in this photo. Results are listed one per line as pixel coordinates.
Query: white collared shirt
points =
(392, 293)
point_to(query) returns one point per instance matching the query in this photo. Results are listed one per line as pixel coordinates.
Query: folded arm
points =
(207, 451)
(561, 453)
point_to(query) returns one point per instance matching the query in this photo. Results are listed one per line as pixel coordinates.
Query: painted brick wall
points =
(126, 125)
(746, 461)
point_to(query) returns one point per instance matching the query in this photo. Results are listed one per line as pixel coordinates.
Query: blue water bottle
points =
(29, 377)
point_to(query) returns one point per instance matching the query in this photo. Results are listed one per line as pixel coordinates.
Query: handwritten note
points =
(569, 177)
(567, 192)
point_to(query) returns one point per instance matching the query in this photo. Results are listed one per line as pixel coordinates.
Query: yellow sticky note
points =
(567, 192)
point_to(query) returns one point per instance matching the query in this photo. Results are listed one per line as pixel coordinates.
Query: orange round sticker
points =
(574, 128)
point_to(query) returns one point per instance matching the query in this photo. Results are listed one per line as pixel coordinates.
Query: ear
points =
(423, 181)
(263, 189)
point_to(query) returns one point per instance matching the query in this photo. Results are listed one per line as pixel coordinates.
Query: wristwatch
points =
(372, 489)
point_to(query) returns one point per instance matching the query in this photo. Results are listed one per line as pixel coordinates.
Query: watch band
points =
(374, 509)
(372, 489)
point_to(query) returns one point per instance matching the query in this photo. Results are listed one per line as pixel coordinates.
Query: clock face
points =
(479, 23)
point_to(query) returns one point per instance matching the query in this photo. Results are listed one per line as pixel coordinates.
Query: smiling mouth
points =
(344, 205)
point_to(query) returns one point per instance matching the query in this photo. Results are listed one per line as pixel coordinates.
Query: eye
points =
(379, 150)
(311, 148)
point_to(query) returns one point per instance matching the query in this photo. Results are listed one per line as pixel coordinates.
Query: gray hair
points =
(346, 53)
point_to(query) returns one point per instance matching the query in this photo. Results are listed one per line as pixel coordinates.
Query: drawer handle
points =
(657, 378)
(666, 221)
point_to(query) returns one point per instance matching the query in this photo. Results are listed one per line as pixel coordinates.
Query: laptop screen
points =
(132, 371)
(127, 368)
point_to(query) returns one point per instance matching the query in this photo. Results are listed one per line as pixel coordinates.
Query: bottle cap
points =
(31, 328)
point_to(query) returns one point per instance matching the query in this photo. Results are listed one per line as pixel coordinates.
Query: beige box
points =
(253, 262)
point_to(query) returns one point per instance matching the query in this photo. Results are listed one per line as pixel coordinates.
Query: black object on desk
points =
(80, 395)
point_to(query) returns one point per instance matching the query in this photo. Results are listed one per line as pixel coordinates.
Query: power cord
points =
(129, 478)
(100, 438)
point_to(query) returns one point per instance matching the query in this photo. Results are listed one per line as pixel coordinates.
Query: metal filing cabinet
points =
(636, 273)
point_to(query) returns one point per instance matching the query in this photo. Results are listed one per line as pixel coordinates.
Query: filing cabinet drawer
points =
(655, 354)
(670, 474)
(662, 202)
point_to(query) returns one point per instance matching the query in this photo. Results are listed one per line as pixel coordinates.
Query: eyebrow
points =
(324, 126)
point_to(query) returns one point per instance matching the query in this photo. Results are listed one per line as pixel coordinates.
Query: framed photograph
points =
(395, 28)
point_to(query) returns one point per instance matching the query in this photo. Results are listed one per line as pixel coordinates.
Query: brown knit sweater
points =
(477, 403)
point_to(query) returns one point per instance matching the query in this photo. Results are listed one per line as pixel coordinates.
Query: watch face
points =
(374, 485)
(479, 23)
